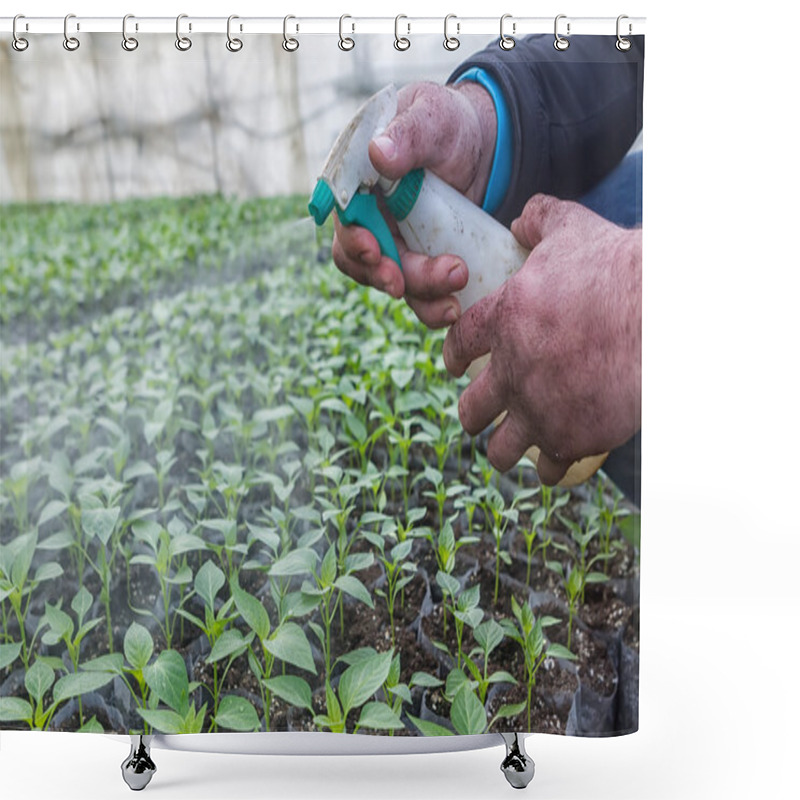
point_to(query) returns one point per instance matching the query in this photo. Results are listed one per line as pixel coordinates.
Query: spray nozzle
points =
(348, 177)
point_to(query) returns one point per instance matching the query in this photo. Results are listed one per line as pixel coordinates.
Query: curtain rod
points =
(347, 25)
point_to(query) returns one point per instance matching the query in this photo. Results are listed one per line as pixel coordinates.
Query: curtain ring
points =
(71, 43)
(290, 44)
(345, 42)
(18, 43)
(451, 42)
(560, 42)
(506, 42)
(183, 43)
(233, 44)
(401, 42)
(622, 44)
(129, 43)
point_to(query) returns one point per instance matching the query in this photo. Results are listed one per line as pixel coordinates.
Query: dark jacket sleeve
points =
(574, 113)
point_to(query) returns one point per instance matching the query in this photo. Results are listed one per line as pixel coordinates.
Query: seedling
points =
(17, 584)
(326, 593)
(39, 679)
(529, 634)
(398, 570)
(168, 555)
(285, 642)
(499, 515)
(357, 685)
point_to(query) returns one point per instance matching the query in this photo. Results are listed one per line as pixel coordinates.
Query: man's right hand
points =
(450, 130)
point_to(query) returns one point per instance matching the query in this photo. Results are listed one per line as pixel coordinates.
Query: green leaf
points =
(60, 623)
(237, 714)
(292, 689)
(327, 571)
(508, 710)
(51, 511)
(58, 541)
(111, 662)
(75, 684)
(353, 586)
(289, 644)
(38, 679)
(429, 728)
(488, 635)
(148, 532)
(359, 682)
(167, 678)
(99, 522)
(47, 572)
(424, 679)
(82, 603)
(467, 713)
(252, 611)
(138, 646)
(208, 581)
(9, 653)
(501, 676)
(456, 680)
(379, 717)
(229, 645)
(162, 720)
(15, 709)
(448, 583)
(296, 562)
(91, 726)
(559, 651)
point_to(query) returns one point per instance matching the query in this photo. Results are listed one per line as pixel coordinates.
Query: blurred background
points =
(252, 123)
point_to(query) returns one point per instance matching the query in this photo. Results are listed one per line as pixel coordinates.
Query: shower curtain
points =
(236, 491)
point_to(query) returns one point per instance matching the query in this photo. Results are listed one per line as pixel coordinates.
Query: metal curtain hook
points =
(507, 42)
(18, 43)
(182, 42)
(623, 44)
(129, 43)
(451, 42)
(346, 42)
(401, 42)
(233, 44)
(71, 43)
(290, 44)
(560, 42)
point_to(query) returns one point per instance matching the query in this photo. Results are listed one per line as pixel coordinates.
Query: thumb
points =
(423, 134)
(550, 472)
(542, 214)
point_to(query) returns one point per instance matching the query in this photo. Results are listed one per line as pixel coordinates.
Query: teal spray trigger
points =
(432, 216)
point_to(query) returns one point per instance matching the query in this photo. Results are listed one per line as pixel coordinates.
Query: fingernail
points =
(456, 276)
(451, 315)
(386, 146)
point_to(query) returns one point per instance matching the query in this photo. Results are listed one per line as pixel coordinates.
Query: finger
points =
(432, 278)
(382, 274)
(435, 313)
(357, 242)
(508, 443)
(550, 472)
(542, 214)
(481, 402)
(471, 336)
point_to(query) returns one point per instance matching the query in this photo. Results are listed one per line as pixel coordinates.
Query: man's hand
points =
(565, 340)
(451, 130)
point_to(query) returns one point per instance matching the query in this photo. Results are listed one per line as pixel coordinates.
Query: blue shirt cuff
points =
(500, 176)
